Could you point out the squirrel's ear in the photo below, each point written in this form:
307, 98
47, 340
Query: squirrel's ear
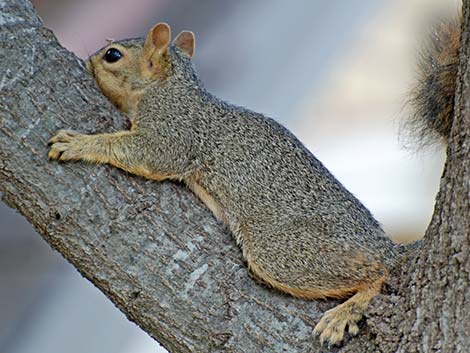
158, 40
186, 42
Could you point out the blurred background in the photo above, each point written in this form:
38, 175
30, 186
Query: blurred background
334, 72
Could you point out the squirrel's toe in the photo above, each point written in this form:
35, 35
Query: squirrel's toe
62, 136
333, 324
330, 328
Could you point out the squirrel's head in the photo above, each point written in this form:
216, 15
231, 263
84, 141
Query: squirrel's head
123, 69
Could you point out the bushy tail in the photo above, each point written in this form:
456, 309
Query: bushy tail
432, 97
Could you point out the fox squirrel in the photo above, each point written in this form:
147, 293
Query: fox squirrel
299, 229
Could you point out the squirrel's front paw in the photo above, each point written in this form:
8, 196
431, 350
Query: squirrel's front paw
66, 145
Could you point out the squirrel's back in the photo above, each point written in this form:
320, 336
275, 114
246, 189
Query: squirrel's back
259, 173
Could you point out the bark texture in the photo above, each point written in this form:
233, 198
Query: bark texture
161, 257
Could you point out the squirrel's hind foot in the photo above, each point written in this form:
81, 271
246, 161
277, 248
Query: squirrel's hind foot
332, 325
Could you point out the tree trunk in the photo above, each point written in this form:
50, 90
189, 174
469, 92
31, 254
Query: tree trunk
160, 256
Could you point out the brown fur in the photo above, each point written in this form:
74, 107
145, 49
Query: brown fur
308, 293
208, 200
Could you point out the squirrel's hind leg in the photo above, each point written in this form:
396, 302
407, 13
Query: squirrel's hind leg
333, 324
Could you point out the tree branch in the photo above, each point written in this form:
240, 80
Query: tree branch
152, 248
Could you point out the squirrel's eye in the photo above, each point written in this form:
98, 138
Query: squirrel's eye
112, 55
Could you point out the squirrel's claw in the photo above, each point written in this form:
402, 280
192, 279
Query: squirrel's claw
54, 154
64, 146
62, 136
58, 151
333, 324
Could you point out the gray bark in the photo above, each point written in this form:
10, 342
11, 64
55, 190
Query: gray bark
160, 256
